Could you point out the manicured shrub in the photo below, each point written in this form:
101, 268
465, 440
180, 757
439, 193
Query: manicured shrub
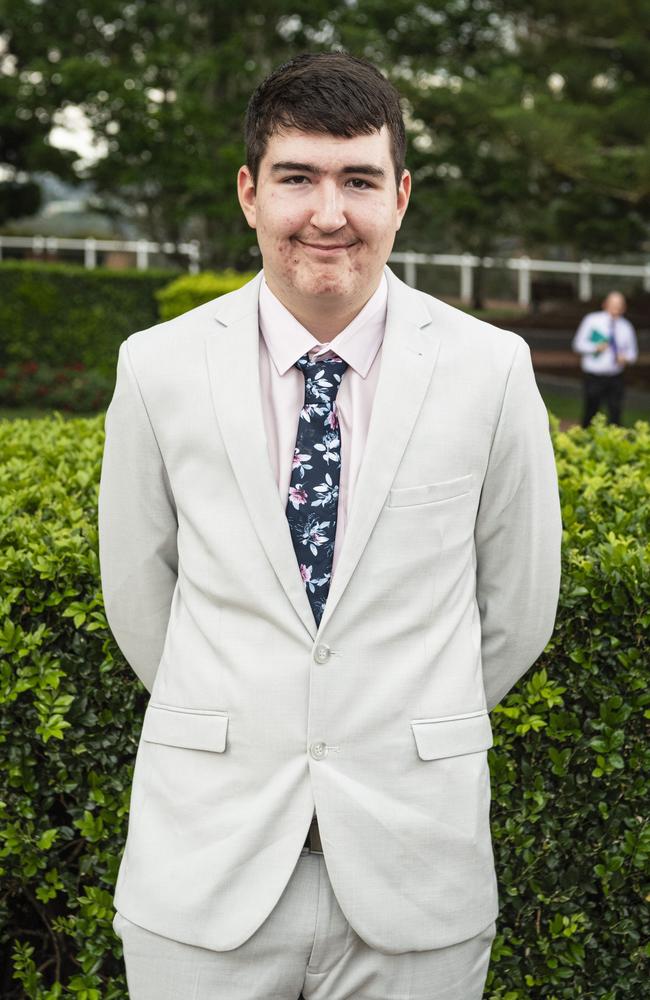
571, 762
59, 314
192, 290
69, 711
569, 767
57, 319
69, 388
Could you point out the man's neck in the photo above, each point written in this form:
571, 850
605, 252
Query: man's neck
322, 317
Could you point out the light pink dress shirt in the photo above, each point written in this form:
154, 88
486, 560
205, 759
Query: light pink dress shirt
283, 340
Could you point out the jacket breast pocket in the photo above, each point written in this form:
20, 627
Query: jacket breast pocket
448, 489
192, 728
452, 736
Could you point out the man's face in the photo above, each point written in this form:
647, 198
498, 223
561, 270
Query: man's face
326, 210
615, 304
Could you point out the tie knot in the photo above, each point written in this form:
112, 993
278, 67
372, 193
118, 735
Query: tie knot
322, 376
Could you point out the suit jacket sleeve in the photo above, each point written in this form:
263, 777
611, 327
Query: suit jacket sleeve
518, 535
137, 528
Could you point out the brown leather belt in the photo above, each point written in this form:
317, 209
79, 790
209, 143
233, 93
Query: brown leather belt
312, 840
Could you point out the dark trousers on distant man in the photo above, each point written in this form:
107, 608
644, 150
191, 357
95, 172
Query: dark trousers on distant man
600, 391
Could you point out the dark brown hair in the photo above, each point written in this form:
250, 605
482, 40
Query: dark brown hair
329, 92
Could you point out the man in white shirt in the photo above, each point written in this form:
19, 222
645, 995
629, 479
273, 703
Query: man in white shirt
606, 342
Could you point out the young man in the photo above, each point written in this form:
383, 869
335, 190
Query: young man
330, 544
606, 342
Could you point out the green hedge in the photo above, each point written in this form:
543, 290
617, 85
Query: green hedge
62, 315
58, 319
69, 388
192, 290
569, 767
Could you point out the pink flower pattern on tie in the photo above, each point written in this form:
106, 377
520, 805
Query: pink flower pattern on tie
315, 473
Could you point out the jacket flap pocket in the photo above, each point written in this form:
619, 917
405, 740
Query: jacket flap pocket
185, 727
407, 496
451, 737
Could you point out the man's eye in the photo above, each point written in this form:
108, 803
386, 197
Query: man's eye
295, 179
359, 183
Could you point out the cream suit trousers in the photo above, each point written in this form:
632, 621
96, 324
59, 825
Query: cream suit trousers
305, 946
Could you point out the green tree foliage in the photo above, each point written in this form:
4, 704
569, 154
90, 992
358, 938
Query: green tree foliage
471, 176
24, 127
526, 122
164, 85
18, 198
586, 73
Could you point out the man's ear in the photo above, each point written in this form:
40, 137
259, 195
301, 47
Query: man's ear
403, 195
246, 195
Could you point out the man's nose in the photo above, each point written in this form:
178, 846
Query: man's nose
328, 214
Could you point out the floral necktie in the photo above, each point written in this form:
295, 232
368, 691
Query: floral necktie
315, 473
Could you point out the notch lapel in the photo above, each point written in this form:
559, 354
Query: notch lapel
408, 356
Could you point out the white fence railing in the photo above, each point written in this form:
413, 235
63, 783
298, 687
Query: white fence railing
466, 263
141, 249
525, 266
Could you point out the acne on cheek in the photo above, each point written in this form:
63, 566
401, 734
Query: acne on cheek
287, 252
291, 252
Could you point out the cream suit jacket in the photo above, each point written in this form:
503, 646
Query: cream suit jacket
444, 595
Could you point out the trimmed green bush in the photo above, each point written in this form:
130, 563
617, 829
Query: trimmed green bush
569, 767
68, 714
68, 388
60, 314
58, 318
192, 290
571, 762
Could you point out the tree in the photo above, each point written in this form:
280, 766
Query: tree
164, 86
526, 124
24, 127
474, 184
586, 67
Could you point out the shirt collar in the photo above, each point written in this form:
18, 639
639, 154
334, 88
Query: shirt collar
287, 339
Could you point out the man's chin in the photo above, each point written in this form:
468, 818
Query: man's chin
324, 282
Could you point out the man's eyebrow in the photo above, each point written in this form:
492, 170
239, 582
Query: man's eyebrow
368, 169
365, 168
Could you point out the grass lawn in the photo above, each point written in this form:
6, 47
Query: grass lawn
567, 407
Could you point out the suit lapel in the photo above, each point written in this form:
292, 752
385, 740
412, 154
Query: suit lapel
233, 362
407, 361
408, 355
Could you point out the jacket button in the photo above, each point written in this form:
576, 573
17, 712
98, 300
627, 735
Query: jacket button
322, 653
318, 750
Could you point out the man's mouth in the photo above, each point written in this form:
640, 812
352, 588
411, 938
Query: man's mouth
327, 248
